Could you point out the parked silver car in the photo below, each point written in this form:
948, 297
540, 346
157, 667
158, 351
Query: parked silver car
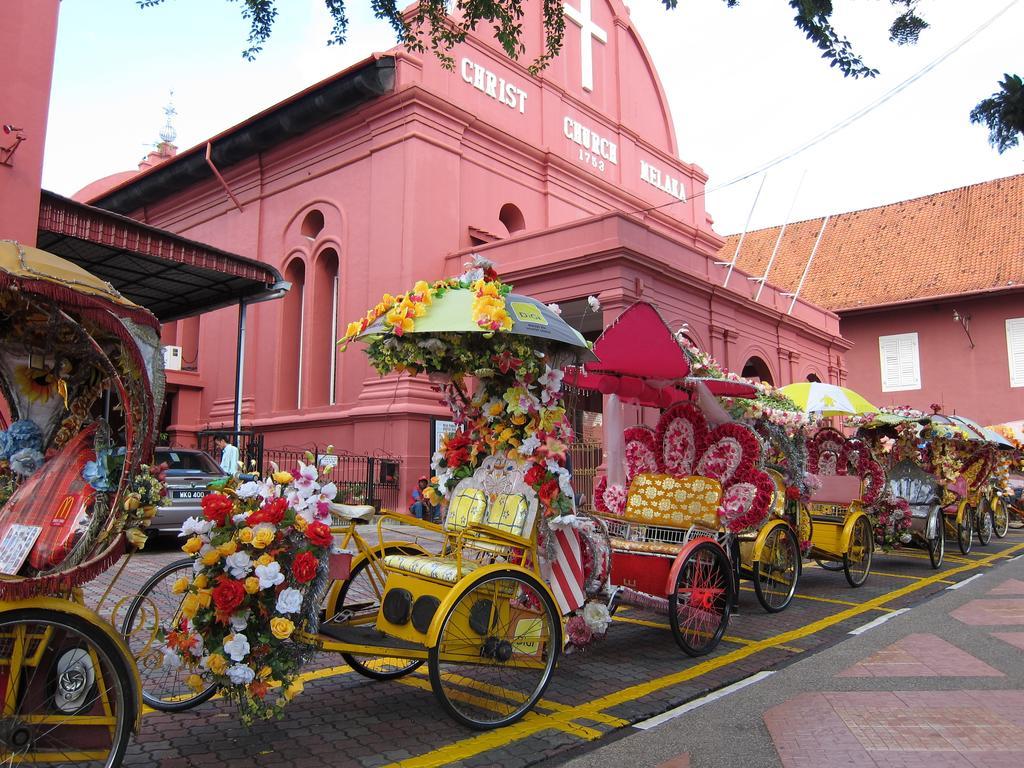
188, 473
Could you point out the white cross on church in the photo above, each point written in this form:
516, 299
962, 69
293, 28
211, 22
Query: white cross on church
589, 31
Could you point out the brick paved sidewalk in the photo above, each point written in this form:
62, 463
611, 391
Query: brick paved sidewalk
941, 686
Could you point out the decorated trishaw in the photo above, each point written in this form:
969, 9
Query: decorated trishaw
695, 476
488, 598
81, 372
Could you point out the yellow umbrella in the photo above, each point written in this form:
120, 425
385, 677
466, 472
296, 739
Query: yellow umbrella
826, 399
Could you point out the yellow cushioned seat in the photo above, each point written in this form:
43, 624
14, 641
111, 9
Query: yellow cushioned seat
673, 502
508, 513
440, 568
466, 508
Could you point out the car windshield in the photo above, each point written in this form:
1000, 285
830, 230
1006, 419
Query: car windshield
188, 462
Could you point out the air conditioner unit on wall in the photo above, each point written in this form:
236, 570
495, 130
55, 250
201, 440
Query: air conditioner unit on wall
172, 358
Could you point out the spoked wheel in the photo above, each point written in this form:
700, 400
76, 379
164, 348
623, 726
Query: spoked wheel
829, 565
1000, 518
858, 556
983, 522
776, 573
69, 699
496, 651
937, 547
700, 604
154, 612
360, 595
964, 534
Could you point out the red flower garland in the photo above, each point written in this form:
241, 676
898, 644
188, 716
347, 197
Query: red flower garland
641, 452
759, 507
750, 450
825, 440
599, 488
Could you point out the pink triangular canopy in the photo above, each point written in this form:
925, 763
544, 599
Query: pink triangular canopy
639, 343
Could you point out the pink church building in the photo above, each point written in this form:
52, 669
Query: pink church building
397, 169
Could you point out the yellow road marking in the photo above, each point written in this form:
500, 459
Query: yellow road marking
727, 638
817, 599
475, 745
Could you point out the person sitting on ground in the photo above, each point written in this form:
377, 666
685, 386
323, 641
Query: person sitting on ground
420, 507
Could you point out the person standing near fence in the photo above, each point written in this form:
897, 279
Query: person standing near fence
228, 454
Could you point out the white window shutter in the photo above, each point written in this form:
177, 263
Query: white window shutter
1015, 350
900, 362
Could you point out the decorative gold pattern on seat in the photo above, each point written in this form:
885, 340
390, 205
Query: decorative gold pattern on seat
645, 547
676, 502
508, 512
440, 568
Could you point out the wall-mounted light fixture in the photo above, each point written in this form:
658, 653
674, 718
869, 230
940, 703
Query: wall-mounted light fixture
965, 323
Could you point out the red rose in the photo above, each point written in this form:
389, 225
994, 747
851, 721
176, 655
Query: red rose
548, 491
271, 512
319, 535
792, 493
228, 594
217, 507
304, 567
535, 475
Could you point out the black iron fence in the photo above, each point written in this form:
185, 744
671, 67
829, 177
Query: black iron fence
373, 480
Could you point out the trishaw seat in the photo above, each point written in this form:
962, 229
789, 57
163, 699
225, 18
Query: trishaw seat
358, 512
645, 547
673, 502
440, 568
841, 490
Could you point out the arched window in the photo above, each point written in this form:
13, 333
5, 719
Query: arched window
323, 329
312, 224
813, 377
756, 368
289, 371
512, 218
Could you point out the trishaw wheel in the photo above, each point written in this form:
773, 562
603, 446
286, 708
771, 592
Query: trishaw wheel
69, 702
700, 604
361, 592
829, 565
153, 613
964, 534
984, 523
777, 572
937, 547
496, 650
1000, 519
859, 553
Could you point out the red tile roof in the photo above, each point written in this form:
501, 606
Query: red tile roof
961, 241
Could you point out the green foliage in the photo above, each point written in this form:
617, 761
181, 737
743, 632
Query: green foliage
1003, 113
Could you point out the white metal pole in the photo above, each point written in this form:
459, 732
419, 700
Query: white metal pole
743, 235
807, 267
764, 278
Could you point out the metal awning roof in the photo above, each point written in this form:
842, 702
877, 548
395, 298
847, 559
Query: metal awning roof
170, 275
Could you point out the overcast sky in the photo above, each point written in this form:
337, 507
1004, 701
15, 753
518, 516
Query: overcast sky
743, 84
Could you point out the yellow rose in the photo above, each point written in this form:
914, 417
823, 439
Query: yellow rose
252, 585
180, 585
192, 546
262, 538
300, 523
217, 664
293, 690
195, 682
228, 549
190, 606
282, 477
132, 502
281, 628
264, 673
264, 560
245, 535
136, 538
205, 596
200, 581
210, 558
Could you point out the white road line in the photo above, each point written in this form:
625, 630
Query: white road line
644, 725
880, 620
1018, 557
965, 581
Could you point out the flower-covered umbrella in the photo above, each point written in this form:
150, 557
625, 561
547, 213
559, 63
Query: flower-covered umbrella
826, 399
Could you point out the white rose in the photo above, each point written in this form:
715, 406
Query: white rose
269, 575
241, 674
289, 601
239, 621
237, 647
248, 490
239, 564
195, 526
597, 617
171, 658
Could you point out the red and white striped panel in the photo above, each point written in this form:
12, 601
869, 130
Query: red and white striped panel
566, 578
